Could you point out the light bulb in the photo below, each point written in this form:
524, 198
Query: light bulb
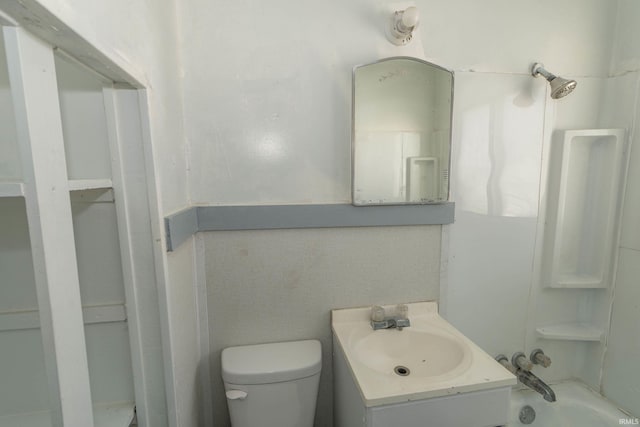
410, 17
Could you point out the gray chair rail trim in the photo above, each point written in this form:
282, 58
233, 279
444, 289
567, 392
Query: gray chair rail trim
182, 225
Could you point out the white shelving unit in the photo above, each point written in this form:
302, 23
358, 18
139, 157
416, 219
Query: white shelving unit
77, 348
571, 332
586, 172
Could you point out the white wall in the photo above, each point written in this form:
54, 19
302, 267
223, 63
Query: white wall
141, 37
621, 376
267, 92
626, 50
571, 37
268, 86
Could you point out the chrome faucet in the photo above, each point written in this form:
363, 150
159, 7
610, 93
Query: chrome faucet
379, 319
526, 377
533, 382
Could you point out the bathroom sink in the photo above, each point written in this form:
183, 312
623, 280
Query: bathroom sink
425, 354
428, 359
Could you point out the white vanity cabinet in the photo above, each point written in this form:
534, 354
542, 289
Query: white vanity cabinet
427, 374
486, 408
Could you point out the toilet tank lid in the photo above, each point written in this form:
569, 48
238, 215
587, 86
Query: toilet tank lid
271, 363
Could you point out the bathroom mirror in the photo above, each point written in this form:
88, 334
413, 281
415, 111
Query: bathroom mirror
401, 133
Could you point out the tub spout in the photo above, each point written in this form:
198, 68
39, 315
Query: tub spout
533, 382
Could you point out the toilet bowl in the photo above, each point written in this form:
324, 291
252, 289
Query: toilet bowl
272, 385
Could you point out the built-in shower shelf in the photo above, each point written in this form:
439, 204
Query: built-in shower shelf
571, 332
104, 415
11, 189
577, 281
585, 178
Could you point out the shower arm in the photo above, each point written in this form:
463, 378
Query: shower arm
538, 69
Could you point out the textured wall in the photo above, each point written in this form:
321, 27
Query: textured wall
280, 285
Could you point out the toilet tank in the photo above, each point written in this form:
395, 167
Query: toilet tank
272, 384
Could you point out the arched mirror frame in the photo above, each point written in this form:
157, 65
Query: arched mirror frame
402, 156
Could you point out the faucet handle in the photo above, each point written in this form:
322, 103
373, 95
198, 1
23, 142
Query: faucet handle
402, 311
502, 359
519, 360
377, 313
539, 358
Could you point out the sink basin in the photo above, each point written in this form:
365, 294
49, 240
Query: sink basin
428, 359
425, 354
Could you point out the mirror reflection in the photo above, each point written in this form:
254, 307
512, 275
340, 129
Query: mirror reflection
401, 132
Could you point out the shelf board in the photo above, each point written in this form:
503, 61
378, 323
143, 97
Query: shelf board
30, 319
16, 189
579, 281
570, 332
91, 191
104, 415
11, 189
90, 184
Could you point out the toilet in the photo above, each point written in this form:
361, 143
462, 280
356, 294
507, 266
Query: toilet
272, 385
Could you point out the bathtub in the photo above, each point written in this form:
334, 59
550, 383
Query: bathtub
576, 406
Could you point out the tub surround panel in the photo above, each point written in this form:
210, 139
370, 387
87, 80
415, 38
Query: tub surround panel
488, 283
511, 241
581, 110
280, 285
630, 236
621, 376
600, 103
497, 144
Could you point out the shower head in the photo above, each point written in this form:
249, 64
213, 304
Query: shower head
559, 86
